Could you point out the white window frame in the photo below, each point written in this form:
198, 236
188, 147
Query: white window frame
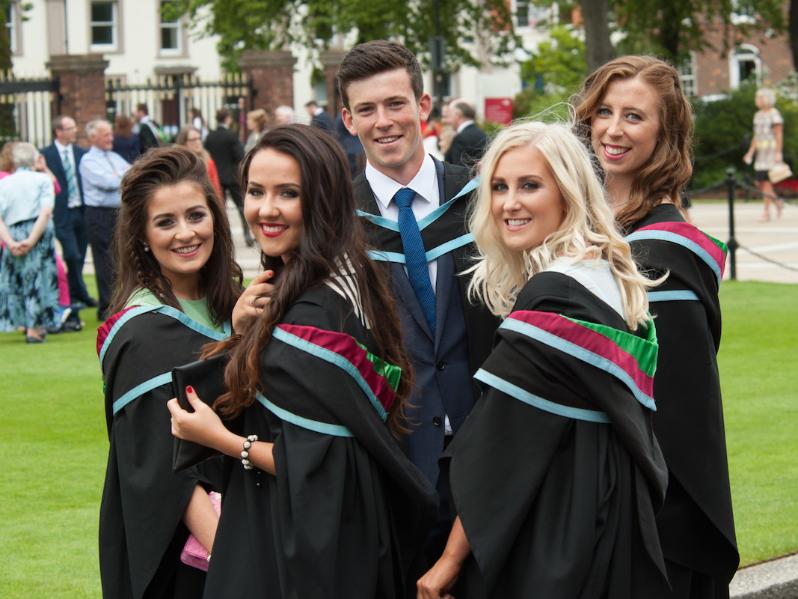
688, 77
744, 53
114, 45
11, 27
177, 26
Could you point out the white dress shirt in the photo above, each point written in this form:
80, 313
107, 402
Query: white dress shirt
72, 202
427, 199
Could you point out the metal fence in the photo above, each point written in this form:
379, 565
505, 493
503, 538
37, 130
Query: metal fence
169, 98
26, 108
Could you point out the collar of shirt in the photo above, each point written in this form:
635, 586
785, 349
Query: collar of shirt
61, 149
463, 125
425, 184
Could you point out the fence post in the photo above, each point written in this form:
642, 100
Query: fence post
731, 185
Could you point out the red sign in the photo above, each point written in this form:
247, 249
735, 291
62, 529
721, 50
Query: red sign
499, 110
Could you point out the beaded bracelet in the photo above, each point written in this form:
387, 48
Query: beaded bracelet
245, 452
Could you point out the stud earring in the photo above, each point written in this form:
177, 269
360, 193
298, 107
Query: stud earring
146, 247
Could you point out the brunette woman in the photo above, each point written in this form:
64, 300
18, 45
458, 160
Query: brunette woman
320, 501
177, 285
555, 475
640, 128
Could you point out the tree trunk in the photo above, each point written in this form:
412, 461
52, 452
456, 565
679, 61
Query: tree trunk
793, 33
598, 47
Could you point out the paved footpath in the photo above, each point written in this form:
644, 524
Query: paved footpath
776, 240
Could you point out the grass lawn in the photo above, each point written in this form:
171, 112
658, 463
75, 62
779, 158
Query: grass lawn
758, 374
53, 444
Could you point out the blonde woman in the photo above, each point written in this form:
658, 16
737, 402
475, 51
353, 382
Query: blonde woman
556, 475
767, 144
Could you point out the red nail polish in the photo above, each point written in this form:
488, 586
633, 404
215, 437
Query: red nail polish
189, 389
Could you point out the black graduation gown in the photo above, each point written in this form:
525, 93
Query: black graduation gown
141, 529
346, 510
696, 523
556, 474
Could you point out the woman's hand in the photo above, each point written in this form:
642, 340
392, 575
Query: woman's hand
252, 302
748, 158
202, 426
440, 579
20, 248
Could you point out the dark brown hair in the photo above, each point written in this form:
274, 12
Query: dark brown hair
220, 278
372, 58
123, 125
670, 167
331, 237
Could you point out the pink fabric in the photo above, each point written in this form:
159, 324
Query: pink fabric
63, 285
590, 340
345, 346
695, 235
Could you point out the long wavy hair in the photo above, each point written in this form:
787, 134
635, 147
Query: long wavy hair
332, 242
220, 277
670, 167
587, 231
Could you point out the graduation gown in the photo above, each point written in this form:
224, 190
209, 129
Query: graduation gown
556, 474
346, 510
141, 529
696, 523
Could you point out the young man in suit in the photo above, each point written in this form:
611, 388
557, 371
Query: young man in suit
469, 141
227, 152
63, 158
413, 208
149, 132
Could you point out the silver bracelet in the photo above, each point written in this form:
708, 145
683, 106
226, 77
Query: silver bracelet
245, 462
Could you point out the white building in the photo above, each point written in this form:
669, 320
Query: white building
140, 45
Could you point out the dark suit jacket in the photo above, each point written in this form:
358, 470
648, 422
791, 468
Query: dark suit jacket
438, 380
227, 153
147, 139
53, 160
322, 121
467, 146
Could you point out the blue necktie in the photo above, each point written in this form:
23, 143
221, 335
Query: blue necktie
415, 255
72, 189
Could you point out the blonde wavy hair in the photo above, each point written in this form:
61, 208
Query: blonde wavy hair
588, 229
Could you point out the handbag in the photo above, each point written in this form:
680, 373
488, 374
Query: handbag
779, 172
194, 554
207, 378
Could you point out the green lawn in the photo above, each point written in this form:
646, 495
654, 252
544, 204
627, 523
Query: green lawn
53, 443
760, 391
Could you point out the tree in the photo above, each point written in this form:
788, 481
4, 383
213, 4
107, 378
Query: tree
793, 30
276, 24
596, 18
671, 28
558, 62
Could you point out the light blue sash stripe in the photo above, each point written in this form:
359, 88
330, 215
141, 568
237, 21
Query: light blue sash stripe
141, 389
441, 210
679, 240
538, 402
324, 428
333, 358
132, 313
580, 353
431, 255
392, 225
672, 296
380, 221
447, 247
193, 324
166, 311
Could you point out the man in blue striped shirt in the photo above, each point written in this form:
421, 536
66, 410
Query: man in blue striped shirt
101, 170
